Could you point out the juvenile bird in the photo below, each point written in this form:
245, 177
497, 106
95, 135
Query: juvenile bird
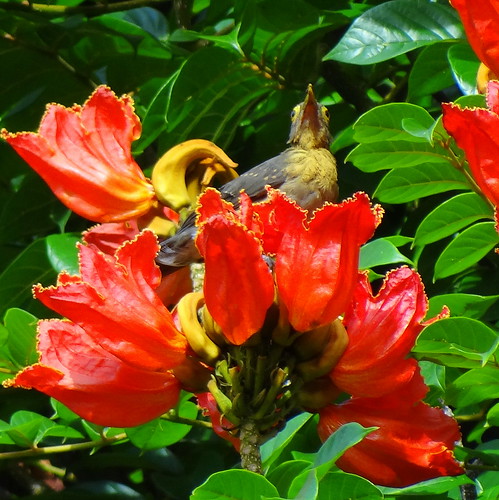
305, 171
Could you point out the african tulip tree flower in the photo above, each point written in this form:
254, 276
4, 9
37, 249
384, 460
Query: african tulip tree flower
414, 441
111, 361
481, 23
84, 154
476, 131
323, 247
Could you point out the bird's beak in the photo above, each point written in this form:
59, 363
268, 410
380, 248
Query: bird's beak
311, 111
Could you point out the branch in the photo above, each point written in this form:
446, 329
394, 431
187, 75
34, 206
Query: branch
63, 448
87, 10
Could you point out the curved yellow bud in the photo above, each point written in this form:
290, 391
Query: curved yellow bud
185, 170
201, 344
330, 355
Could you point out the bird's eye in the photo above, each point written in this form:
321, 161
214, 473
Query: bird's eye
325, 112
294, 112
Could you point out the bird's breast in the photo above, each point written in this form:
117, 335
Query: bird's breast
311, 177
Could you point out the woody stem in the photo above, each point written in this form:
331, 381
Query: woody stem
250, 447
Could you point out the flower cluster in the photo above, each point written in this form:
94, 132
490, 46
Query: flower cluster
285, 320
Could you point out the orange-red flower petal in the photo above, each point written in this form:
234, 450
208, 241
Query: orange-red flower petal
382, 329
238, 284
114, 301
414, 442
317, 261
481, 23
84, 155
476, 131
94, 383
110, 236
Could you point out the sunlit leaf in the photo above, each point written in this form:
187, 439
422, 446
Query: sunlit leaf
466, 249
394, 28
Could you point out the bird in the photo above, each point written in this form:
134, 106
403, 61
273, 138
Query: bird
305, 171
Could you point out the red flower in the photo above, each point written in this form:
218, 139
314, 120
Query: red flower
481, 23
413, 443
476, 131
389, 323
316, 260
84, 155
111, 362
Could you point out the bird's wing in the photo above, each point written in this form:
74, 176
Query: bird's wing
268, 173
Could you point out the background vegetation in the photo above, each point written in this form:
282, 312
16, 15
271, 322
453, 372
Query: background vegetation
231, 71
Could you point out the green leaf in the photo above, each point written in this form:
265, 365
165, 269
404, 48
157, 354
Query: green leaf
159, 432
40, 262
493, 415
466, 249
430, 72
21, 342
430, 487
396, 27
212, 107
337, 443
380, 252
474, 386
389, 123
343, 486
408, 184
461, 304
28, 428
451, 216
461, 342
62, 252
274, 447
234, 485
284, 474
384, 155
464, 64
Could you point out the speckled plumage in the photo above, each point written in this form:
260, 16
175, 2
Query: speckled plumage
305, 171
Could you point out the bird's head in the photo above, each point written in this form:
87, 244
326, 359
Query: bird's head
310, 123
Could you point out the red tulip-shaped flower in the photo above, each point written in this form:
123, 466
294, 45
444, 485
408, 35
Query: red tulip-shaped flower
414, 441
84, 154
316, 259
111, 361
481, 23
476, 131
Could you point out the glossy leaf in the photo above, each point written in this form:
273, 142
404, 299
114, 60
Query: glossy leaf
408, 184
461, 304
466, 249
452, 216
464, 65
274, 447
393, 122
159, 433
40, 262
338, 442
461, 342
431, 487
431, 72
474, 386
235, 485
394, 28
380, 252
21, 341
342, 486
